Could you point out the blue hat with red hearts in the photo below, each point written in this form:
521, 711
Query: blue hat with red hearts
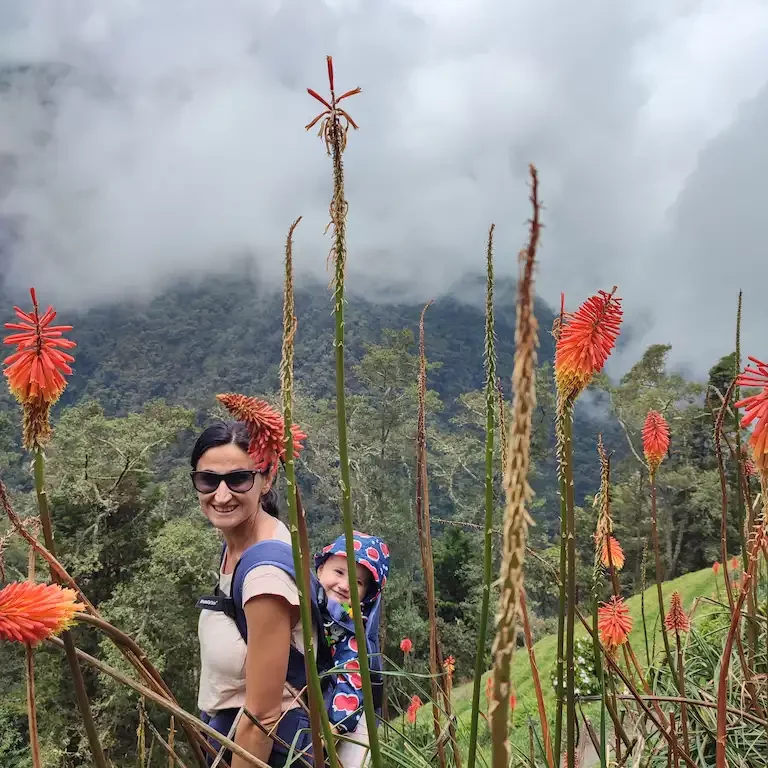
370, 552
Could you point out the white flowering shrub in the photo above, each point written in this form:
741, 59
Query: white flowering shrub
586, 679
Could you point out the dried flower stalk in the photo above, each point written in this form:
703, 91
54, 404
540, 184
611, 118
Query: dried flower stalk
518, 491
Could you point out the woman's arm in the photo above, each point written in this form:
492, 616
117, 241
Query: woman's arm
269, 620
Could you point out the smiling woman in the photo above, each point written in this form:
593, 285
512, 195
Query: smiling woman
249, 631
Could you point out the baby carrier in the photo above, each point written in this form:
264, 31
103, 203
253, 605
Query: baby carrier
280, 555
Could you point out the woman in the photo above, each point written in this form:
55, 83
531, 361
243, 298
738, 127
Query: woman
232, 472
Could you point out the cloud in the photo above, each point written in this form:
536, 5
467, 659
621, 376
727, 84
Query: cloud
149, 141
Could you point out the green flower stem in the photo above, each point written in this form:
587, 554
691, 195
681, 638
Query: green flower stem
599, 673
34, 740
34, 736
346, 489
659, 593
743, 523
561, 625
681, 687
571, 590
318, 715
81, 694
490, 417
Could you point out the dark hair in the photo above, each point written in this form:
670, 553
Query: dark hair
227, 433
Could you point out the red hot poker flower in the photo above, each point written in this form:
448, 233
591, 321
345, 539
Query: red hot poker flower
716, 567
406, 645
677, 620
266, 426
413, 708
616, 553
36, 370
585, 340
655, 434
614, 622
30, 612
756, 407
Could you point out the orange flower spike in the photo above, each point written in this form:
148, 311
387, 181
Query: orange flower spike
614, 622
266, 426
756, 407
655, 434
29, 612
716, 567
36, 370
616, 554
413, 708
677, 620
585, 340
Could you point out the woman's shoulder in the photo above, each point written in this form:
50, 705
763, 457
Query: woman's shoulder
281, 532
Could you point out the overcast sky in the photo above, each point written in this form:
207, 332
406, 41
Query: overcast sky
172, 140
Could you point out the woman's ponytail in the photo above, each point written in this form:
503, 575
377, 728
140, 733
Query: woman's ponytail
269, 503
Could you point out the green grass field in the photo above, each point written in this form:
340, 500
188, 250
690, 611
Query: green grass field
691, 586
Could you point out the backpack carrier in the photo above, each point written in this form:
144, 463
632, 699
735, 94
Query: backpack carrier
280, 555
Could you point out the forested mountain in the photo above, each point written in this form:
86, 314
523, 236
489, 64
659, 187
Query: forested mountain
224, 334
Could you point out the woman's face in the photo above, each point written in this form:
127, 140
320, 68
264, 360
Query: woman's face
223, 507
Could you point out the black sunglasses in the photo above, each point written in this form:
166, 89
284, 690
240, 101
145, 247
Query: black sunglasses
239, 481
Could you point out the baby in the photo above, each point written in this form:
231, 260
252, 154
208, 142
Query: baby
346, 697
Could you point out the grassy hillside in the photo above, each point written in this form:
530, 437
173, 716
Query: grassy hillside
690, 586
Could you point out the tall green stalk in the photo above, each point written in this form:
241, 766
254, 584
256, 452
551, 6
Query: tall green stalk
745, 518
643, 570
560, 439
739, 459
34, 736
599, 662
490, 418
318, 715
659, 593
561, 622
334, 135
81, 694
603, 532
570, 526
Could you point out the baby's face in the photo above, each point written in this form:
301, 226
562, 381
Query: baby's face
334, 578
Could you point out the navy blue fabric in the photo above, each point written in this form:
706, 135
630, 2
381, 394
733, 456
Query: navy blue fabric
293, 722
